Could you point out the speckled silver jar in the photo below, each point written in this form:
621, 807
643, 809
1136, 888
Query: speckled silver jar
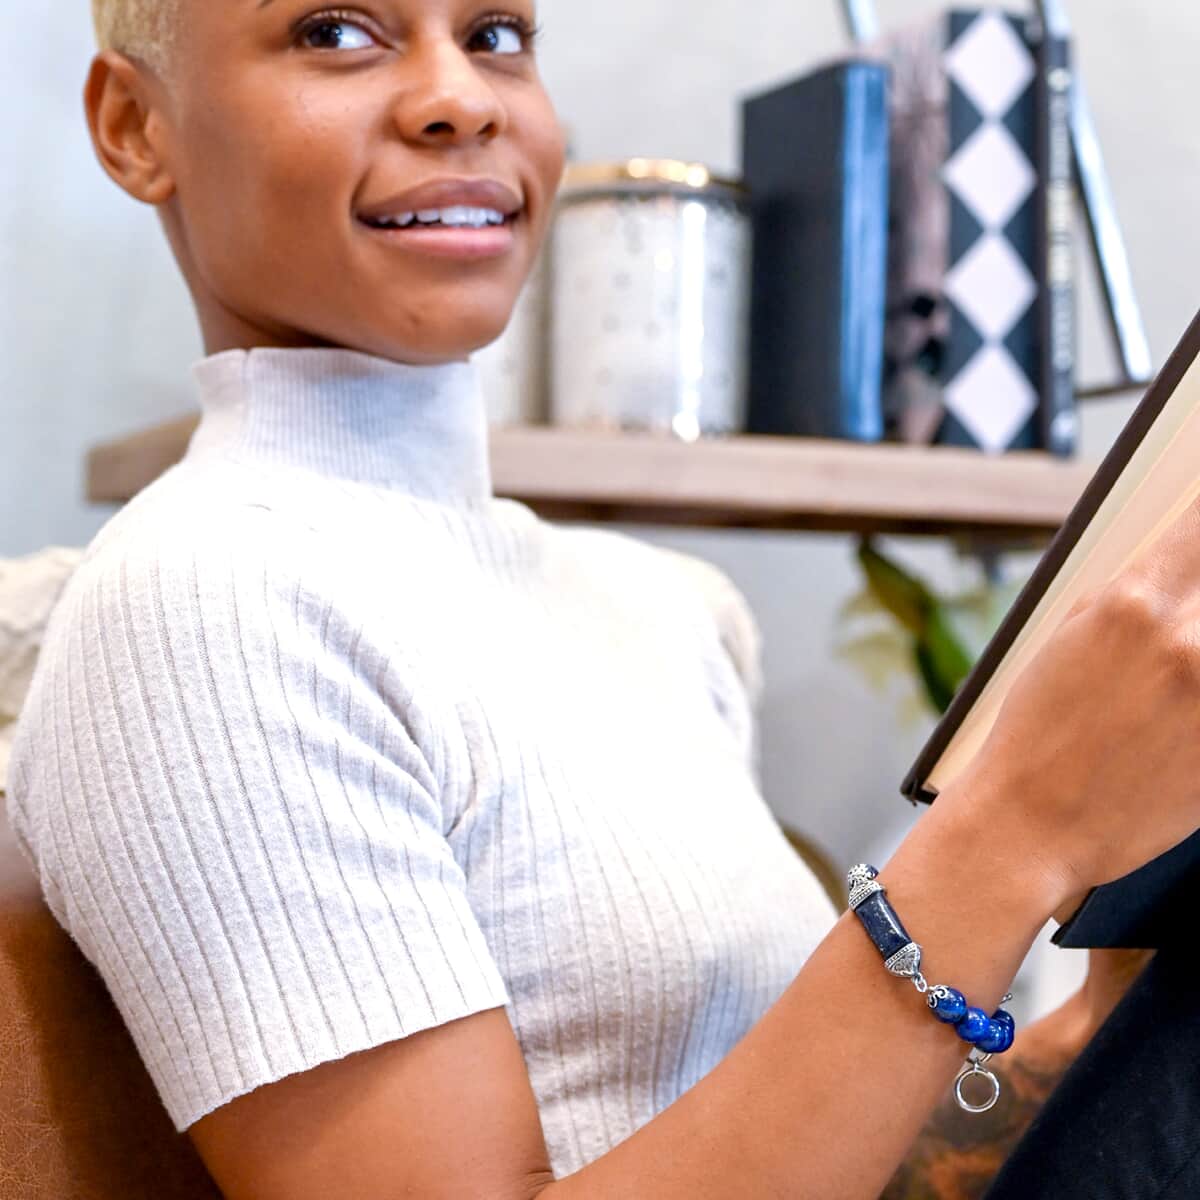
512, 369
649, 299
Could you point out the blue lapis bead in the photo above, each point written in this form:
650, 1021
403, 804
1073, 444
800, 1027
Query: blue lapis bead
973, 1026
883, 926
1002, 1030
950, 1005
997, 1039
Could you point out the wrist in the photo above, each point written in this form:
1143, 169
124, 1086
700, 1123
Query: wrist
980, 849
986, 820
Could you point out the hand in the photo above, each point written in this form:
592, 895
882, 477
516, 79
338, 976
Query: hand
1093, 766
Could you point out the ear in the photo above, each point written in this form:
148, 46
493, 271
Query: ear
125, 118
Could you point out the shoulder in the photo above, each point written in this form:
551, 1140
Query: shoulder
195, 540
184, 605
204, 509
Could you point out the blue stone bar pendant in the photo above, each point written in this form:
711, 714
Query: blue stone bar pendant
902, 956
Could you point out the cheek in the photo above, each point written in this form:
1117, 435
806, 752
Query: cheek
288, 165
545, 151
552, 146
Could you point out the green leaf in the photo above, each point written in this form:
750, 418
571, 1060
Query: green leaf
950, 658
939, 692
941, 636
904, 595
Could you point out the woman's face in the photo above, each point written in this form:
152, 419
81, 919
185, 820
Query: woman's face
300, 138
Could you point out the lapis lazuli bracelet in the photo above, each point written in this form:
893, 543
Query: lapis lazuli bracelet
902, 957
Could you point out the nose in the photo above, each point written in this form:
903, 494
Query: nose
446, 100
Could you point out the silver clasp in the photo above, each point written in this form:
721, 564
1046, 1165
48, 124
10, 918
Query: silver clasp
974, 1067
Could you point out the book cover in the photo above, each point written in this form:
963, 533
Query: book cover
979, 338
991, 372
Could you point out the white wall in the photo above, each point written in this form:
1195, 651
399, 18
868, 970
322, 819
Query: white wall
95, 330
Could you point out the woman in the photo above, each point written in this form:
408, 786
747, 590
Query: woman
416, 839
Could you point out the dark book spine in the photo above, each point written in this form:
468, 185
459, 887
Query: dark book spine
1059, 418
815, 160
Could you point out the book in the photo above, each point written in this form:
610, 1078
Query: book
1058, 416
1147, 480
990, 375
979, 341
815, 161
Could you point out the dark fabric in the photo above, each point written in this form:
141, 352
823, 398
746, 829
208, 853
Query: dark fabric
1124, 1124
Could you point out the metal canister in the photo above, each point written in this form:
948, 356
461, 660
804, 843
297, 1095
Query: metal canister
649, 299
513, 368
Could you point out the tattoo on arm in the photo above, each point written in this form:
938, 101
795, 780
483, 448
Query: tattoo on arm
958, 1154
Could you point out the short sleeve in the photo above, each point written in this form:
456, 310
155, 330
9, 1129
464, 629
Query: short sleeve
231, 783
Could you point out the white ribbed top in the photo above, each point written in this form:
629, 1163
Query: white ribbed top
326, 745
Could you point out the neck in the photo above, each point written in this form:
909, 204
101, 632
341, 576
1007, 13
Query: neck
355, 417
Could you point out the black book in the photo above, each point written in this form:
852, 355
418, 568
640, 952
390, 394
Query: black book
1058, 417
1147, 480
815, 160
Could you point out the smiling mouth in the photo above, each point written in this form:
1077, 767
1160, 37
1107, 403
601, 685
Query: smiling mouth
459, 217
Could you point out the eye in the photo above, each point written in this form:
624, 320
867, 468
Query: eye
502, 35
335, 33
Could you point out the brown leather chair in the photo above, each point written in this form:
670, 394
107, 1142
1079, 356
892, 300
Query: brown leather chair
79, 1116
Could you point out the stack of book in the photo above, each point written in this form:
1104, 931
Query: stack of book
912, 217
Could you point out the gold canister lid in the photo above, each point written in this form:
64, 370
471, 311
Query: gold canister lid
647, 175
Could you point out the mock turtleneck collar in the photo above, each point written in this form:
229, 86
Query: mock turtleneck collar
352, 416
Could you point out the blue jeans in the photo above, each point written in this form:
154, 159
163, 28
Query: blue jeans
1124, 1123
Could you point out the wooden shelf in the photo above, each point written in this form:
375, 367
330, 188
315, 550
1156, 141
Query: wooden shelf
738, 482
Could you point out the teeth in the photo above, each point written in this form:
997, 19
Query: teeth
460, 215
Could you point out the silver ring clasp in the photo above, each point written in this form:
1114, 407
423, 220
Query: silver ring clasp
971, 1069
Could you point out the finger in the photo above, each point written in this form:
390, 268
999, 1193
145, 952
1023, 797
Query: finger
1172, 562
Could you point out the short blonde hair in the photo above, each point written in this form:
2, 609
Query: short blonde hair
140, 28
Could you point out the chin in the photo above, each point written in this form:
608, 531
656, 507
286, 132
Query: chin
456, 337
426, 351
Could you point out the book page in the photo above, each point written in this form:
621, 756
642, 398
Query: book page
1160, 480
